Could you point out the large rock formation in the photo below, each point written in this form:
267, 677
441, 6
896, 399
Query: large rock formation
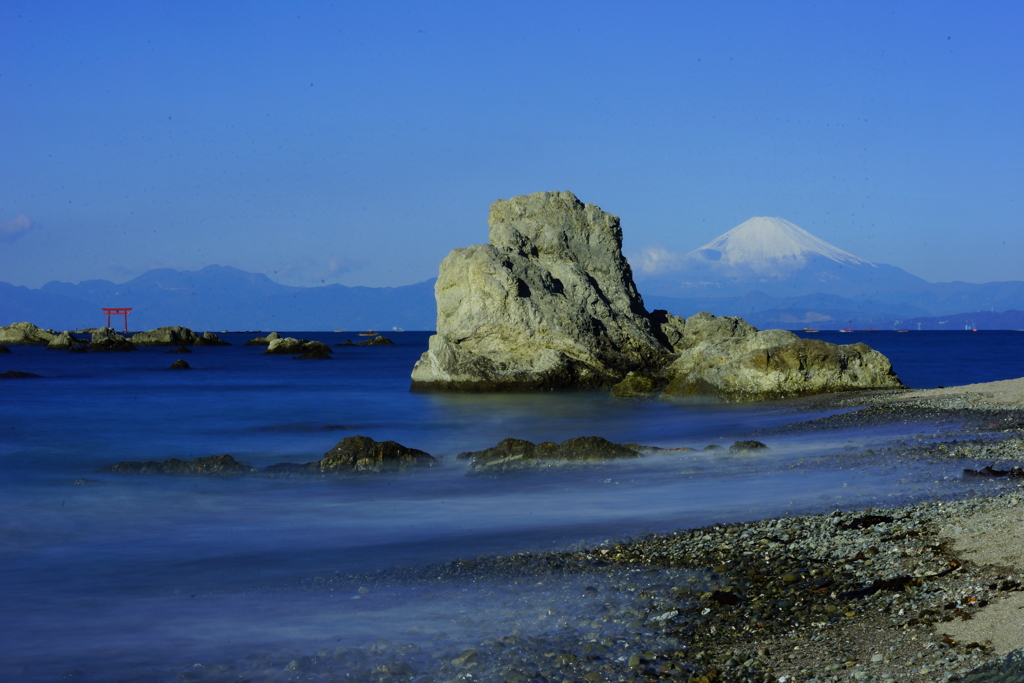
25, 333
175, 335
550, 302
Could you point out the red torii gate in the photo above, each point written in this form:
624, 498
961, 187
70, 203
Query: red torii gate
117, 311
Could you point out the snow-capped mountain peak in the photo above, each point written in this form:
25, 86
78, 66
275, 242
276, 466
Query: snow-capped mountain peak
766, 243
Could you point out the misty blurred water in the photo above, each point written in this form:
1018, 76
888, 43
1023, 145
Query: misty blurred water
148, 569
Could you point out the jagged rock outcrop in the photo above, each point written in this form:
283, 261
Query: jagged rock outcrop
517, 455
291, 345
26, 334
549, 302
63, 341
263, 341
363, 454
105, 339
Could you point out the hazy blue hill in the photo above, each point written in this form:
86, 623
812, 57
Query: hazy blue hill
219, 298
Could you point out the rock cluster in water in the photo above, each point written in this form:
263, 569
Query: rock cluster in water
352, 455
176, 335
550, 302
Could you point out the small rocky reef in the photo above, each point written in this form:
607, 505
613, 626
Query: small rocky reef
105, 338
516, 455
177, 336
305, 349
550, 303
352, 455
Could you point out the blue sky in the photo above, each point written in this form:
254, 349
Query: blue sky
360, 142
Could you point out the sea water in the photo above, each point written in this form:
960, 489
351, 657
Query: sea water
110, 573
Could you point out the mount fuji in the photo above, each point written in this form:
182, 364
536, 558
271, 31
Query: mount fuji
776, 274
774, 256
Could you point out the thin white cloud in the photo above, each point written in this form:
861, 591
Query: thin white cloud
654, 260
16, 228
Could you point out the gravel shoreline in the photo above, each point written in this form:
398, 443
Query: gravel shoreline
876, 595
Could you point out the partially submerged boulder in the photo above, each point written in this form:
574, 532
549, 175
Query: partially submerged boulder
550, 303
14, 374
105, 339
4, 349
220, 465
210, 339
291, 345
363, 454
25, 334
175, 335
180, 349
263, 341
180, 365
379, 340
516, 455
63, 341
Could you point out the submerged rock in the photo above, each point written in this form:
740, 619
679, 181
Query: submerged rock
25, 334
379, 340
263, 341
291, 345
14, 374
105, 339
4, 349
180, 365
180, 349
363, 454
515, 455
313, 355
549, 302
214, 464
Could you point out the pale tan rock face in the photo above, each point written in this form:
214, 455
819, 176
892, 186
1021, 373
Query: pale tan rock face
549, 302
776, 364
25, 333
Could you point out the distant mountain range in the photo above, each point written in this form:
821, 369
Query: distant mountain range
220, 298
766, 270
775, 274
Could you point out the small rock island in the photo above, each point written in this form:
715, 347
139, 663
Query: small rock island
550, 303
